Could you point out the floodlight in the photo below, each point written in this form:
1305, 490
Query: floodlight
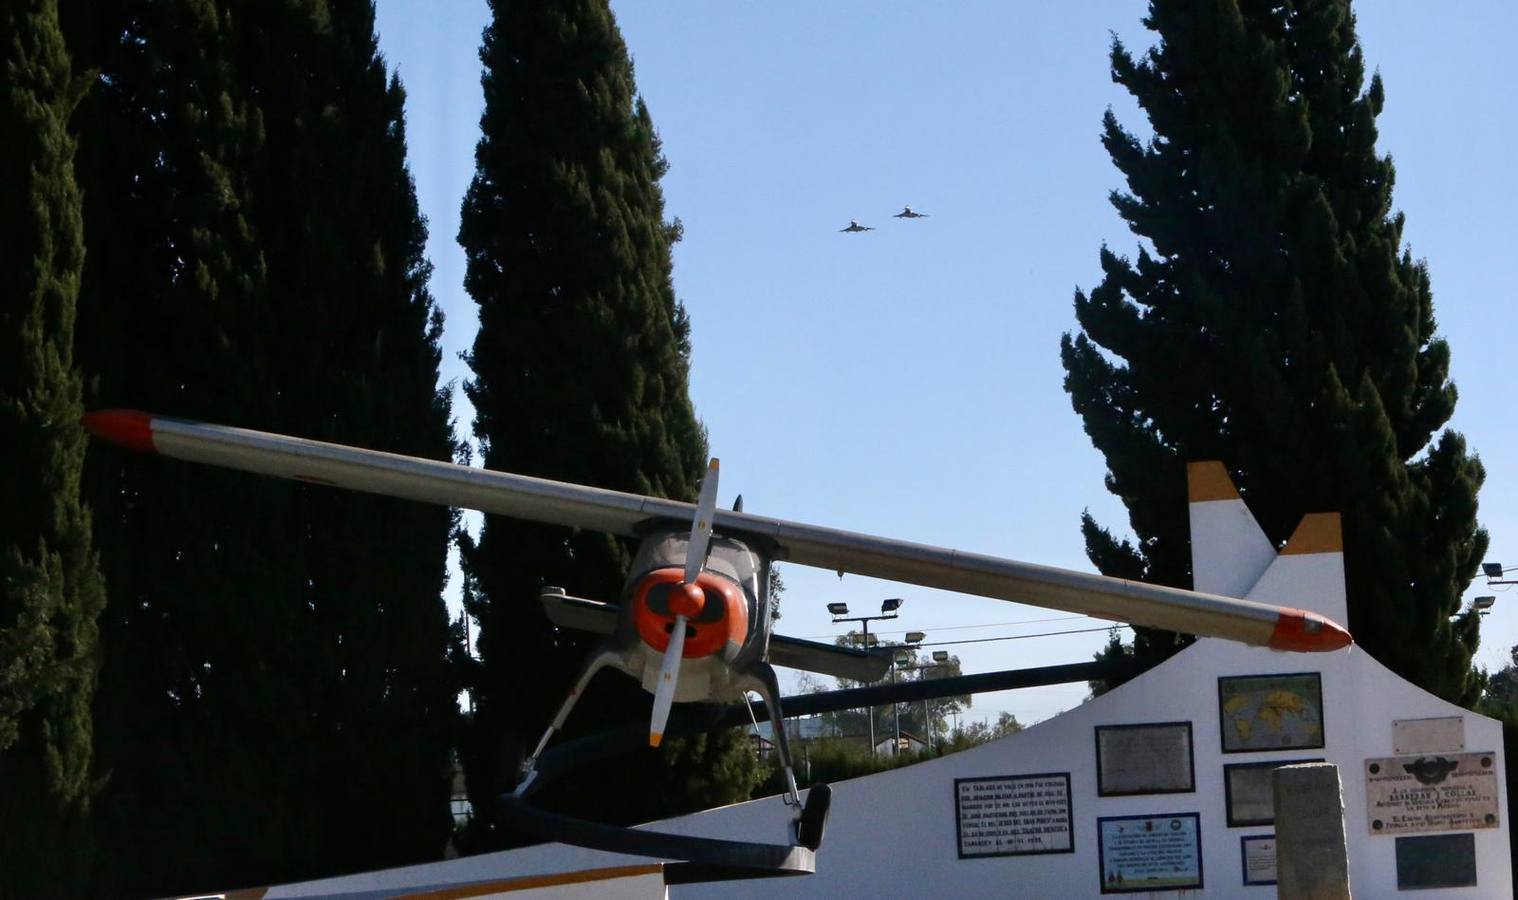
915, 637
940, 656
838, 609
903, 657
1492, 569
1481, 604
890, 605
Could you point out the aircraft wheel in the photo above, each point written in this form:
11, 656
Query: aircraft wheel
814, 817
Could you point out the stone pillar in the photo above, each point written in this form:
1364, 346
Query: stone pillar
1312, 860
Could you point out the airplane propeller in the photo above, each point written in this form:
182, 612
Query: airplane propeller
685, 601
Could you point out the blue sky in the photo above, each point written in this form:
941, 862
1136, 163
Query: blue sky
906, 382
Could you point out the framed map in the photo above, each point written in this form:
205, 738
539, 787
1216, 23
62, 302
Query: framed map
1271, 712
1148, 758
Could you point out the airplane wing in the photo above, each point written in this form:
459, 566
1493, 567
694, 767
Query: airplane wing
578, 506
826, 659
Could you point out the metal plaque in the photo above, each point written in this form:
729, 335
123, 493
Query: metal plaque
1435, 792
1436, 861
1014, 815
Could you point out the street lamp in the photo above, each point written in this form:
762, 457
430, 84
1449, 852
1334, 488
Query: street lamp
888, 607
1494, 572
1482, 604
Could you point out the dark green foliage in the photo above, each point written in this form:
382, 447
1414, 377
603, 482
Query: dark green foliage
580, 371
356, 361
1114, 651
1272, 319
276, 701
50, 589
1502, 686
1500, 701
831, 760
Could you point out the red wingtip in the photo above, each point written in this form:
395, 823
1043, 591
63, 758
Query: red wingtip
127, 427
1303, 631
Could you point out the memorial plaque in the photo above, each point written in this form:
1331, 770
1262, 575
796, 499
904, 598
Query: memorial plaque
1271, 712
1436, 792
1442, 735
1014, 815
1437, 861
1144, 759
1249, 791
1150, 853
1259, 858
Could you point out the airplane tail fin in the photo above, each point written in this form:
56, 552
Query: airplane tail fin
1230, 554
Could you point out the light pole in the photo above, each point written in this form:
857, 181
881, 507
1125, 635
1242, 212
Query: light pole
940, 661
840, 612
913, 639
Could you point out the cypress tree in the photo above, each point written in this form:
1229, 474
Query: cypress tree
581, 366
276, 668
1272, 318
199, 694
356, 332
50, 589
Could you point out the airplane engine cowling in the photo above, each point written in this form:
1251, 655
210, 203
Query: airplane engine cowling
723, 618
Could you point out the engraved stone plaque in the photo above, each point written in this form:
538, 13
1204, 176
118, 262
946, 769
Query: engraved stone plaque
1441, 735
1435, 792
1249, 791
1144, 759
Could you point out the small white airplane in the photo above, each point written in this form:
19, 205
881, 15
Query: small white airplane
693, 622
908, 213
855, 226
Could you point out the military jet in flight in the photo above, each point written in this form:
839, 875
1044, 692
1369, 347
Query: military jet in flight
908, 213
855, 226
